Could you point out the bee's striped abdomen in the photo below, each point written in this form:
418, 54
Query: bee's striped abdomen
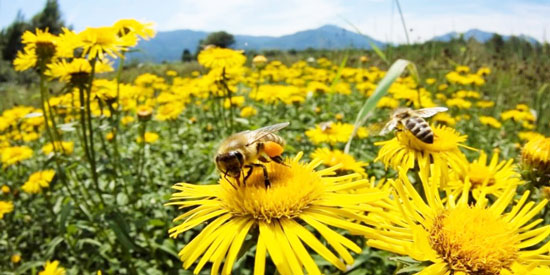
420, 129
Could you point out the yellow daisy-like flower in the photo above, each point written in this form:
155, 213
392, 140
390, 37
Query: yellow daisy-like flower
221, 58
298, 196
127, 120
169, 111
485, 104
491, 121
405, 150
332, 133
456, 237
387, 102
459, 103
5, 208
96, 42
236, 101
37, 181
529, 135
134, 27
150, 137
445, 118
487, 178
24, 60
15, 258
65, 147
430, 81
52, 268
536, 154
15, 154
337, 157
248, 111
77, 71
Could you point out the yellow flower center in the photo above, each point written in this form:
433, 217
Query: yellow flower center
480, 174
445, 139
474, 240
293, 188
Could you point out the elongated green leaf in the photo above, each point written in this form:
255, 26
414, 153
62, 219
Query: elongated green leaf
381, 89
336, 78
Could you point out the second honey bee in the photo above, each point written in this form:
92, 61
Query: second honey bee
249, 149
413, 121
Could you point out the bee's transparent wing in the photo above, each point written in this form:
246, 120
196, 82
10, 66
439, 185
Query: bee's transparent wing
258, 134
388, 127
428, 112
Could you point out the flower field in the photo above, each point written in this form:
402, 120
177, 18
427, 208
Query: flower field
118, 173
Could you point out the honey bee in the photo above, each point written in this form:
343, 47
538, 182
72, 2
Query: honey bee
413, 120
249, 149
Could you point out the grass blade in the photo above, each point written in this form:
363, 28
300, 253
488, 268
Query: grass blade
373, 46
381, 89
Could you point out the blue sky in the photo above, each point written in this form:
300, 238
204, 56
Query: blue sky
378, 18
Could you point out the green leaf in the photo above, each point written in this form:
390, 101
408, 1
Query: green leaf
52, 245
65, 211
28, 265
381, 89
121, 229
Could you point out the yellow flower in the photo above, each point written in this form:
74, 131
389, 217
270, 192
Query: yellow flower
491, 121
134, 27
485, 104
332, 133
66, 147
442, 87
459, 103
248, 111
97, 42
15, 258
259, 60
52, 268
5, 208
387, 102
430, 81
487, 178
236, 101
522, 107
150, 137
39, 47
5, 189
483, 71
444, 118
462, 69
529, 135
221, 58
171, 73
169, 111
536, 154
363, 58
15, 154
127, 120
37, 181
77, 71
299, 200
337, 157
24, 60
457, 237
144, 112
517, 115
110, 136
405, 150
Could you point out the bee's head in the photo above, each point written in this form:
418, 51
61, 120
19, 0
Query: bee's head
401, 113
230, 163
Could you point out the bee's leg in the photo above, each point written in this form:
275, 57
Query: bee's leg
250, 168
228, 180
279, 160
266, 177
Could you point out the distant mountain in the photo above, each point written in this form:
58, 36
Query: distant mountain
168, 46
479, 35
